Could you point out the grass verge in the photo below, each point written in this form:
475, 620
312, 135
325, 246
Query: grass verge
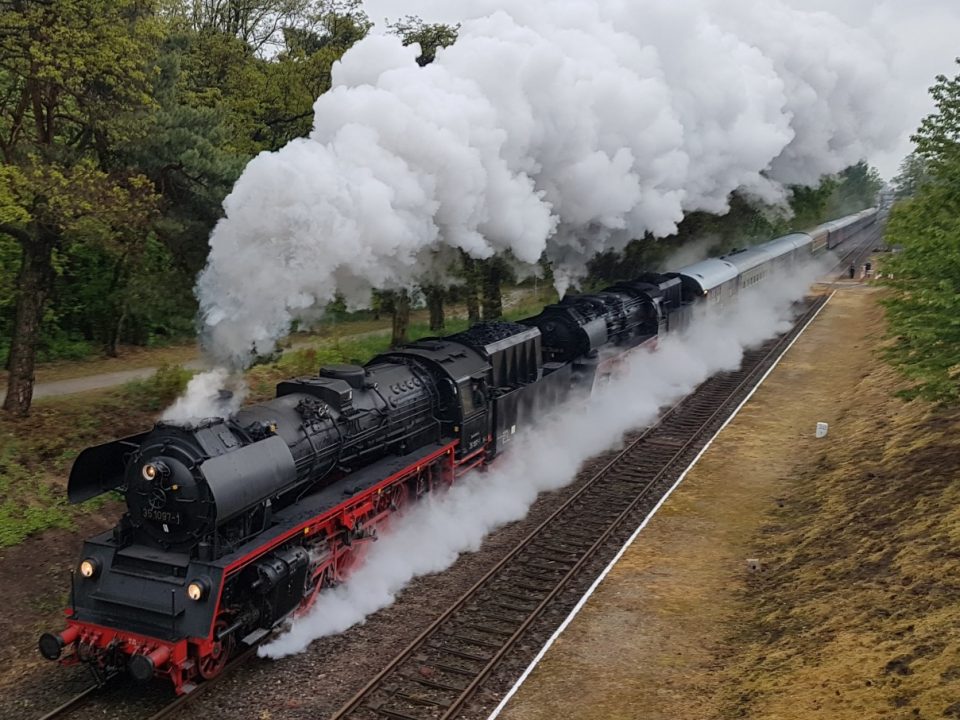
857, 615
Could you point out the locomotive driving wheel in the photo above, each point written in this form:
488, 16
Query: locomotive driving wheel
212, 664
399, 497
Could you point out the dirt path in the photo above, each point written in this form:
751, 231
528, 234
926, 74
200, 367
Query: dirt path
103, 381
829, 628
70, 378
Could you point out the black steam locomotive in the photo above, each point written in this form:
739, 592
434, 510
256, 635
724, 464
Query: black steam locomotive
233, 524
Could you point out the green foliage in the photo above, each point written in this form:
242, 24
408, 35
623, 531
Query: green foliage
28, 503
9, 268
857, 189
123, 126
924, 308
810, 206
185, 151
160, 389
267, 101
75, 75
57, 345
924, 311
938, 138
913, 175
430, 36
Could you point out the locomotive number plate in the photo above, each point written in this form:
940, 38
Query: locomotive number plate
163, 516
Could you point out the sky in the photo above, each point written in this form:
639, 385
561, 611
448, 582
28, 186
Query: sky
922, 38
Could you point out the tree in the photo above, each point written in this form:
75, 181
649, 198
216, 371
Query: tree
435, 295
938, 138
493, 272
72, 72
811, 206
185, 150
857, 189
469, 270
259, 24
913, 174
400, 307
267, 101
924, 310
430, 36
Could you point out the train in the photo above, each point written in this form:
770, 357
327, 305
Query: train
235, 524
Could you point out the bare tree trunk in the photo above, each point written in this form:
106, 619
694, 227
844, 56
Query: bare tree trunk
470, 292
115, 329
492, 298
116, 332
401, 318
434, 294
473, 305
33, 282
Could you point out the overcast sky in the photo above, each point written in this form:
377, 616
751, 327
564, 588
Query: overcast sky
923, 38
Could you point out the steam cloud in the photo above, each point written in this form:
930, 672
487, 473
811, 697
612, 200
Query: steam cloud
557, 128
434, 533
207, 396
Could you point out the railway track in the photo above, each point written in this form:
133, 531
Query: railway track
83, 700
860, 250
72, 705
437, 675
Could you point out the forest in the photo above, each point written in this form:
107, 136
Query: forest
923, 310
124, 124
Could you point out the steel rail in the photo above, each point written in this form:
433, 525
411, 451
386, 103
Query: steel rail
82, 699
181, 702
74, 703
359, 705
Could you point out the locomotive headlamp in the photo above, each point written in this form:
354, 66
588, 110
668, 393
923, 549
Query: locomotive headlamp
152, 470
90, 567
198, 589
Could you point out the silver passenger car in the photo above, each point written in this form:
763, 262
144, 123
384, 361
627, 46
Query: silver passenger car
713, 280
836, 231
754, 264
718, 280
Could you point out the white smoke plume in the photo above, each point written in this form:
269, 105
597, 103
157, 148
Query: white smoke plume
214, 393
557, 128
921, 37
690, 252
434, 533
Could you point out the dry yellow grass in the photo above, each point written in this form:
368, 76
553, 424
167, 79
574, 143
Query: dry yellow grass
854, 613
859, 614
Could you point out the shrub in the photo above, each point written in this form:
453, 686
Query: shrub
161, 388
